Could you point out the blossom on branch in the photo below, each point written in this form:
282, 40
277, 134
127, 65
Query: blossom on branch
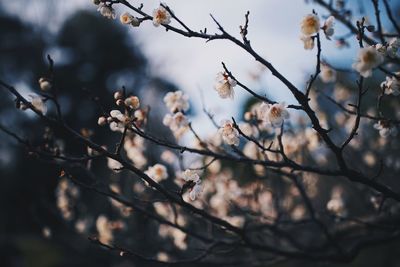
178, 123
38, 103
310, 24
176, 101
328, 74
161, 16
385, 128
308, 42
224, 85
274, 114
106, 11
157, 172
392, 85
328, 27
368, 58
229, 133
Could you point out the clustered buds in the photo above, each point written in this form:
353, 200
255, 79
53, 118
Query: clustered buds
161, 16
118, 120
177, 102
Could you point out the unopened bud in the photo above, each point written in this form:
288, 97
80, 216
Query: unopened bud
120, 102
44, 84
118, 95
102, 121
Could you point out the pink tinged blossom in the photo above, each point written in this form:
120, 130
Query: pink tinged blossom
274, 114
229, 134
224, 85
161, 16
310, 24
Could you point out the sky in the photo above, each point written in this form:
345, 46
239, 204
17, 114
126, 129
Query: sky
192, 64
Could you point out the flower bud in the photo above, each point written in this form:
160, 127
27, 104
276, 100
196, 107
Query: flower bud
102, 121
44, 84
118, 95
120, 102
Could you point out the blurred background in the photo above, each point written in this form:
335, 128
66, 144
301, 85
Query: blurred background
94, 57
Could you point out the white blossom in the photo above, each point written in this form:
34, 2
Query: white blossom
328, 27
104, 228
106, 11
176, 101
308, 42
275, 114
114, 165
161, 16
118, 121
38, 103
157, 172
368, 58
310, 24
224, 85
328, 74
127, 18
336, 206
391, 85
191, 176
385, 129
195, 191
229, 134
393, 47
178, 123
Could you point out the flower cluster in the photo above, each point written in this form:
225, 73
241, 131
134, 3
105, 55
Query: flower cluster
310, 26
117, 120
161, 16
177, 103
